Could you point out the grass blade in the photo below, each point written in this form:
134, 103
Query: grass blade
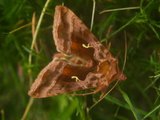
152, 111
128, 101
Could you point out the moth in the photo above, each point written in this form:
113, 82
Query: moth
81, 63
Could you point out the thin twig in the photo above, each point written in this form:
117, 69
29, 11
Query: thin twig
93, 13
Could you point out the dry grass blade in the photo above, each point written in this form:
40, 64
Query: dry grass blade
120, 9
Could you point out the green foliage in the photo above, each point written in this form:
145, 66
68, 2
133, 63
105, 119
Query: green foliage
136, 98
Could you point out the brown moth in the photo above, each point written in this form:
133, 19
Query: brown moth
82, 62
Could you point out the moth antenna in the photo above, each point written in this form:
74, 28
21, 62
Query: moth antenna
67, 55
86, 46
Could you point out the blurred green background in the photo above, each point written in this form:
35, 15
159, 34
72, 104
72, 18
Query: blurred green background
136, 98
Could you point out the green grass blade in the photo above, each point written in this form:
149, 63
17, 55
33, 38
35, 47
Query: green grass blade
122, 104
152, 111
126, 98
125, 25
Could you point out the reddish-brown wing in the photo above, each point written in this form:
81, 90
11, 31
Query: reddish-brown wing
56, 78
70, 33
83, 62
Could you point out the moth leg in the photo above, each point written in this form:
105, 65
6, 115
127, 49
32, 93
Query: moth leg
109, 46
89, 93
84, 94
103, 92
99, 89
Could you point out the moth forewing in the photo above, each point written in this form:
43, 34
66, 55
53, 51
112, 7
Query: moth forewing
81, 63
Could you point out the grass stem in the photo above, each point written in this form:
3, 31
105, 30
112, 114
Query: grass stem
30, 57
